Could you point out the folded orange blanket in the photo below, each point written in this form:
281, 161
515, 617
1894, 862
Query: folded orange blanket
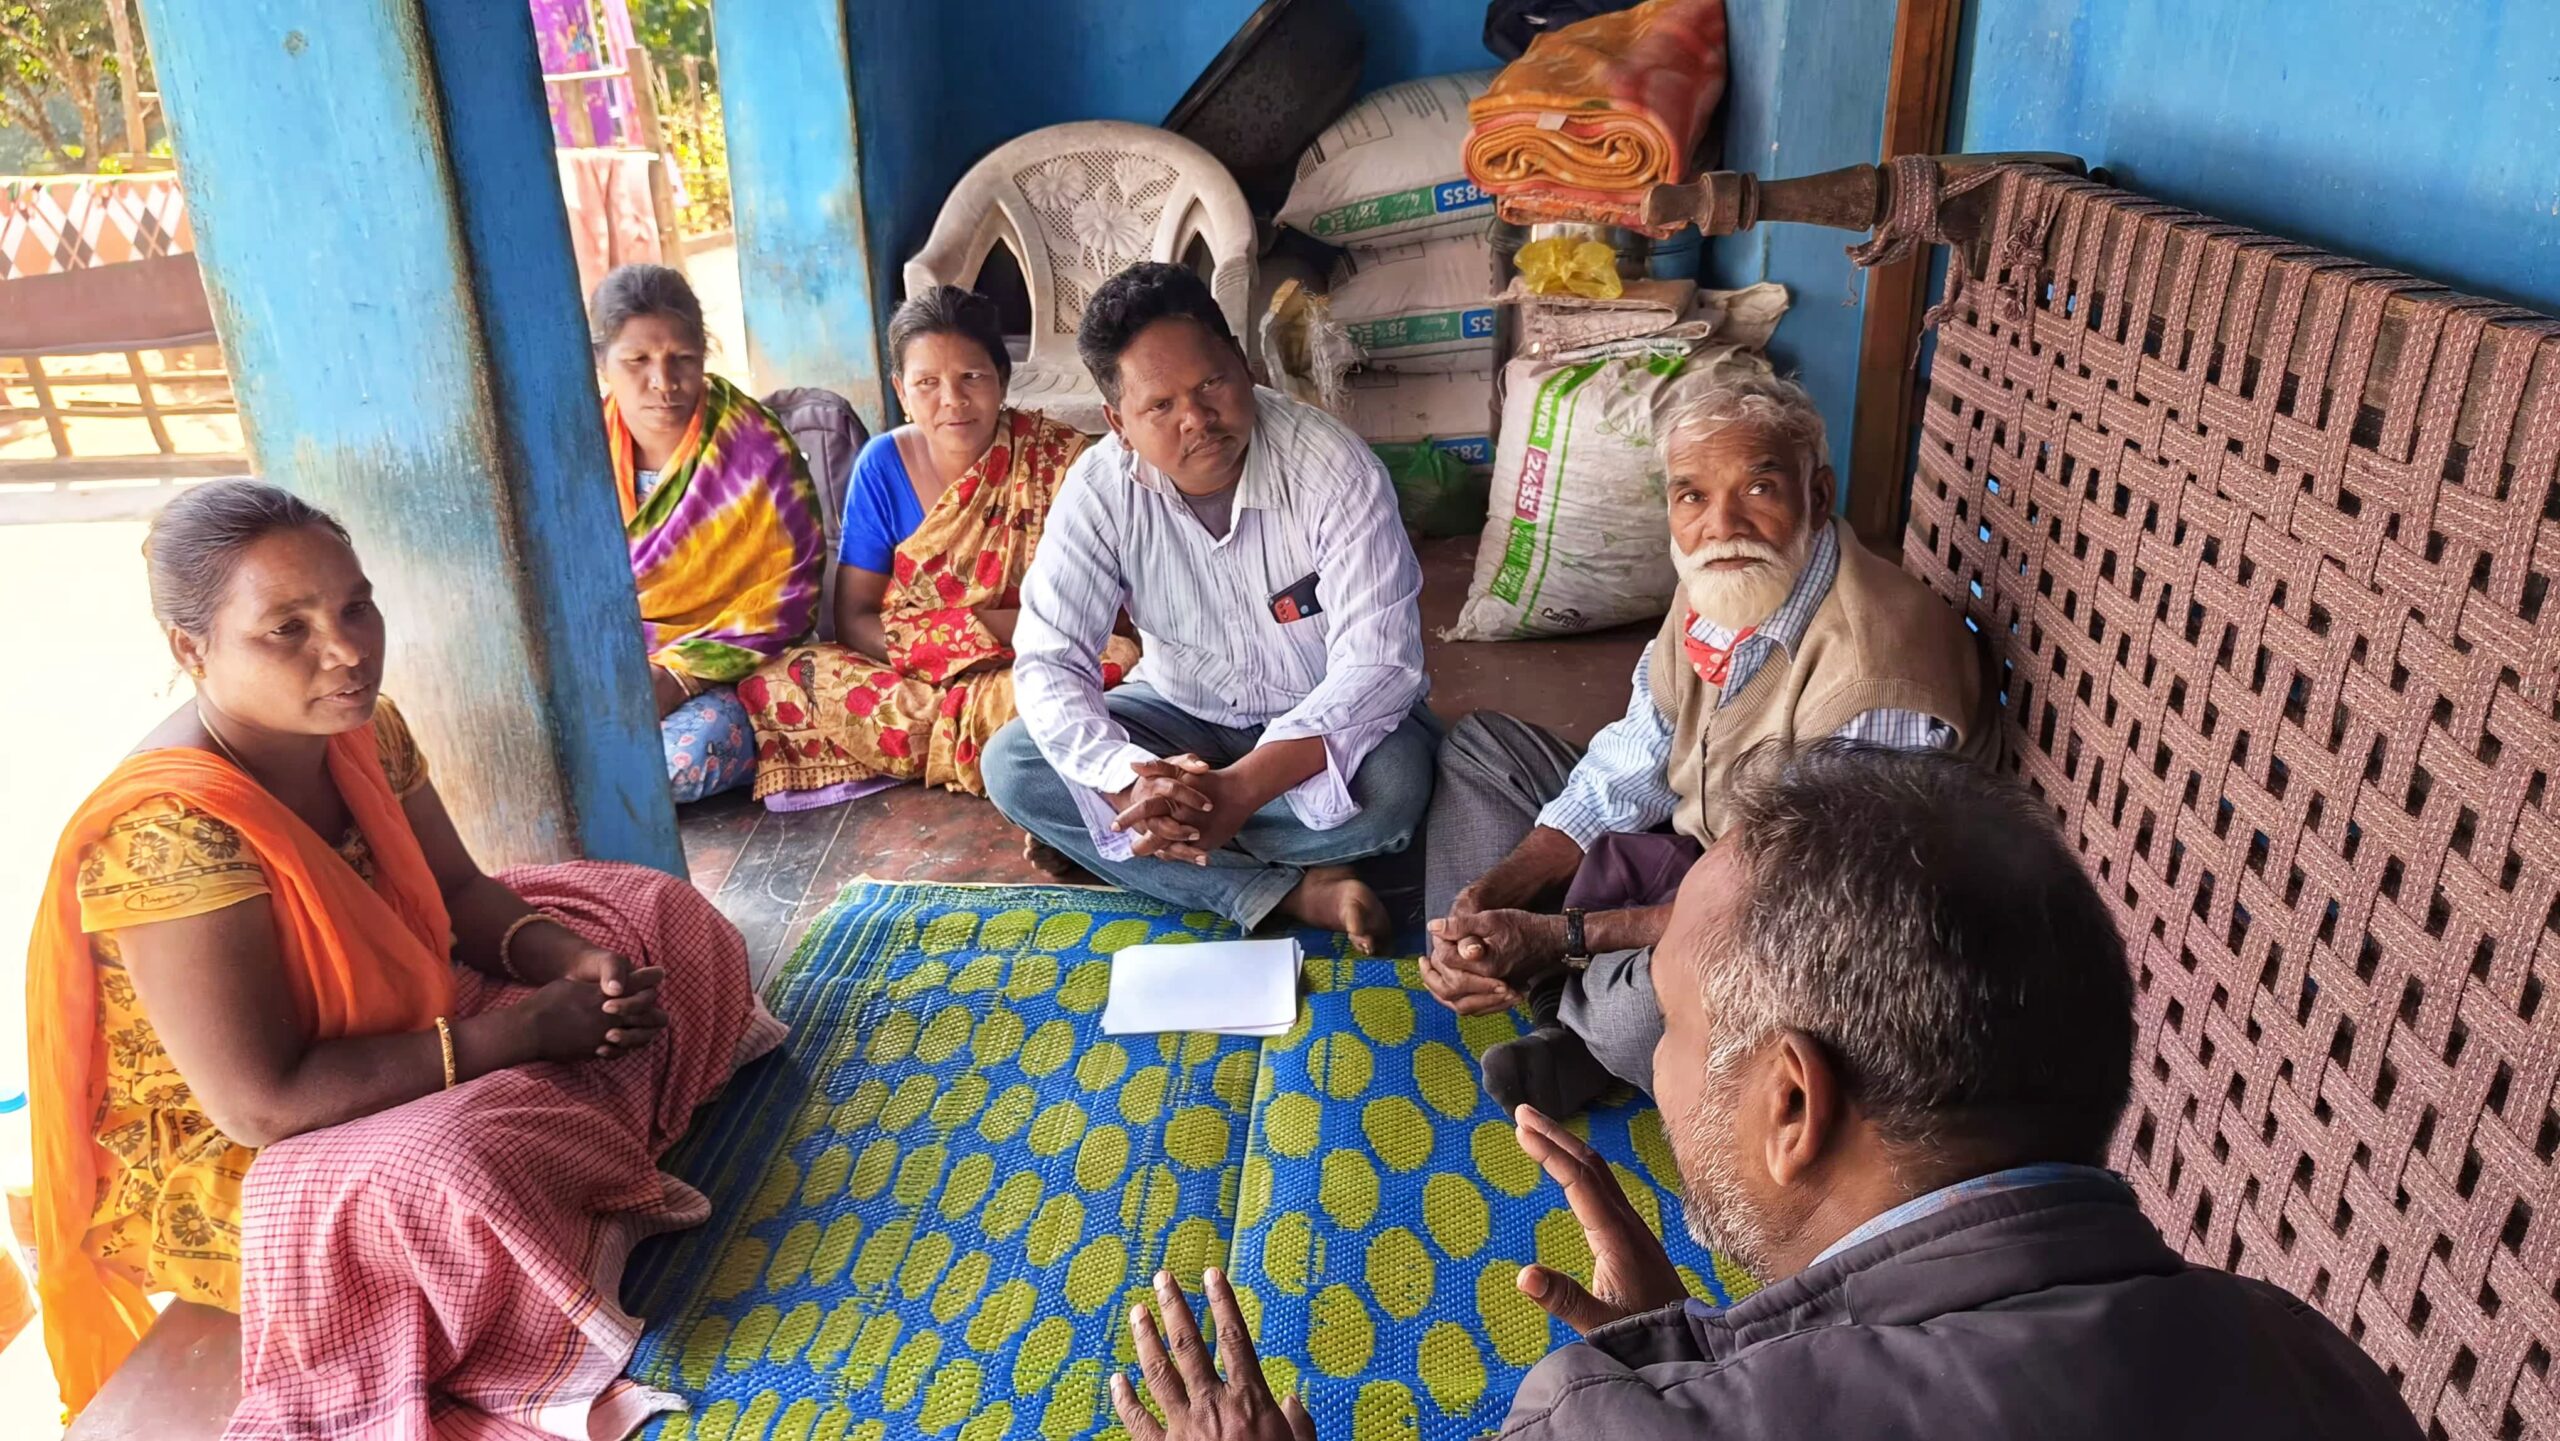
1596, 113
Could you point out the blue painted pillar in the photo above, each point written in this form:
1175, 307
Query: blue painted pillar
380, 225
805, 263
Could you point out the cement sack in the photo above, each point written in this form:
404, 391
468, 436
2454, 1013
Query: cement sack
1424, 307
1391, 169
1578, 535
1452, 413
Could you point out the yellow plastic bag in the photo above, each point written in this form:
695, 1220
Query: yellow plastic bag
1560, 265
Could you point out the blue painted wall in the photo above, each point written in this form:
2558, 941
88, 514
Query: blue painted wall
1421, 37
2421, 136
938, 86
1807, 95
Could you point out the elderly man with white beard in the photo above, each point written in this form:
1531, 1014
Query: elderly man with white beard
1785, 629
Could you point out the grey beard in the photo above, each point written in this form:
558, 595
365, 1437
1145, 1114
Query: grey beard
1718, 606
1716, 1208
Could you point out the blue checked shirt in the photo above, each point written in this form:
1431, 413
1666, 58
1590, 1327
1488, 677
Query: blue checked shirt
1313, 501
1620, 784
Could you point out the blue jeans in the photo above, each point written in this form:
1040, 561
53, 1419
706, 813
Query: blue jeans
710, 745
1249, 876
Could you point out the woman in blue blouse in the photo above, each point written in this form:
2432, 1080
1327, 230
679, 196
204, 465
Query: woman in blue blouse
940, 523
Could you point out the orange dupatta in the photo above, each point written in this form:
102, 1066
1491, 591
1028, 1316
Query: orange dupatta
359, 961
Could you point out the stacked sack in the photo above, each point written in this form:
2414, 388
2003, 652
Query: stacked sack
1387, 184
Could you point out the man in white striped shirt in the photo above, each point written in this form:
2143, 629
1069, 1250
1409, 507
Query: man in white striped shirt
1785, 630
1274, 733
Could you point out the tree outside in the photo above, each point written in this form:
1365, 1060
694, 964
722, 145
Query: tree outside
677, 35
67, 102
672, 29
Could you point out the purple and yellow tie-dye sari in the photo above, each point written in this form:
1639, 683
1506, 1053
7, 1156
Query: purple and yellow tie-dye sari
726, 548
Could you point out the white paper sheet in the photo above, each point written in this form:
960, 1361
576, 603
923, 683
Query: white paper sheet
1232, 988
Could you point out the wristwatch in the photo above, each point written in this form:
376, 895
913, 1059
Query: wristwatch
1577, 950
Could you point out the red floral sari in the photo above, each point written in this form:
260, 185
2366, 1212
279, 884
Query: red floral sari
825, 714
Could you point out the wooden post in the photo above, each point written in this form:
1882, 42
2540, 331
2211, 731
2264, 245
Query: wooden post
662, 190
137, 140
582, 120
1915, 123
47, 406
693, 97
150, 403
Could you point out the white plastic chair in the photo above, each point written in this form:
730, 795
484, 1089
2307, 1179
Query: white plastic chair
1079, 203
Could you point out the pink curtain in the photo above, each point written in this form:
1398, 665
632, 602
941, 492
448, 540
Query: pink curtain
610, 219
578, 35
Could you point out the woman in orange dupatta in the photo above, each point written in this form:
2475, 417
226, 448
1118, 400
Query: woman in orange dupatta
941, 520
262, 940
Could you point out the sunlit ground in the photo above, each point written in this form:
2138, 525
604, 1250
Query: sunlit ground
94, 678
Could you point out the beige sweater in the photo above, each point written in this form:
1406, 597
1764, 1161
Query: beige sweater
1880, 641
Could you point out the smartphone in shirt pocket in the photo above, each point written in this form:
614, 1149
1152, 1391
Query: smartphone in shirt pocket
1296, 601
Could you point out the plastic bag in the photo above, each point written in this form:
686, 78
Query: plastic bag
1437, 492
1305, 351
1560, 265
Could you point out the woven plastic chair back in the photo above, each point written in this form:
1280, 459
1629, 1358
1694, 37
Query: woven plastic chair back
2263, 541
1078, 204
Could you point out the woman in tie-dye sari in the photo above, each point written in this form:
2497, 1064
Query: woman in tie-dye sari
720, 515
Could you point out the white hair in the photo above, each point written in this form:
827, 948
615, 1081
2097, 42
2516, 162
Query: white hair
1706, 400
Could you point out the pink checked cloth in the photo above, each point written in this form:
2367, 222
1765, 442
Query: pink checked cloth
449, 1268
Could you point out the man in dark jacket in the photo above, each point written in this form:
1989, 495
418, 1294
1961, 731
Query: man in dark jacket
1898, 1036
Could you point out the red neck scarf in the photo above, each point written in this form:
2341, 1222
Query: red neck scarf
1713, 663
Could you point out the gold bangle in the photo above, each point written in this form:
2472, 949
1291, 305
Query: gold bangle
683, 682
444, 1038
507, 942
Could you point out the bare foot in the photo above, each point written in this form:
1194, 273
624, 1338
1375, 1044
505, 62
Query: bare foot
1333, 898
1048, 859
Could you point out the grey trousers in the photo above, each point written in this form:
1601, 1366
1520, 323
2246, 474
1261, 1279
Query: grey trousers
1496, 774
